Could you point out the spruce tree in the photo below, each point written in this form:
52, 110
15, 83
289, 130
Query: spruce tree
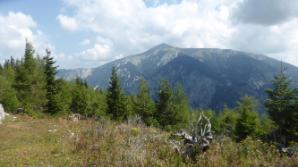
79, 103
23, 74
248, 123
143, 104
116, 100
81, 82
228, 120
181, 108
85, 101
30, 82
51, 83
8, 95
282, 106
164, 106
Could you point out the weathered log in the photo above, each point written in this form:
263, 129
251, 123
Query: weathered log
199, 140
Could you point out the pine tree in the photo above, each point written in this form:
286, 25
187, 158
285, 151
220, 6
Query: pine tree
51, 83
116, 100
85, 101
79, 102
164, 106
248, 123
143, 104
30, 82
8, 95
282, 105
228, 120
64, 97
81, 82
181, 107
23, 78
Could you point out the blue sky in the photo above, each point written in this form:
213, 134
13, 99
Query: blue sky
89, 33
45, 13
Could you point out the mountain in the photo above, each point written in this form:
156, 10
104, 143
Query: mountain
211, 77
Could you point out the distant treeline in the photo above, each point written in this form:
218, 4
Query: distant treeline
30, 86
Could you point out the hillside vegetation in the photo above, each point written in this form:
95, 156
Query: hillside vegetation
61, 142
211, 77
118, 129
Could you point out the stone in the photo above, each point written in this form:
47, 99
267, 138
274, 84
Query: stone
75, 117
2, 113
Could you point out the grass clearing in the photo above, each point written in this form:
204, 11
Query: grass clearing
61, 142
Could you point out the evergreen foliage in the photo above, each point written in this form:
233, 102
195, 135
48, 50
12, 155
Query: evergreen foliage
228, 120
164, 108
86, 101
282, 106
248, 123
181, 107
143, 104
30, 82
51, 83
171, 107
8, 96
116, 100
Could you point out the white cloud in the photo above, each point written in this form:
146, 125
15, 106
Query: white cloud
266, 12
131, 27
278, 41
97, 52
85, 42
15, 28
68, 23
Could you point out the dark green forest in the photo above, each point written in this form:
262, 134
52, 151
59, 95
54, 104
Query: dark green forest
30, 86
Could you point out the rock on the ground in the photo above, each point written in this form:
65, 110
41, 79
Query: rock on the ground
2, 113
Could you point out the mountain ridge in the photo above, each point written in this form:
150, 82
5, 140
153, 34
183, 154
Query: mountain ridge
211, 77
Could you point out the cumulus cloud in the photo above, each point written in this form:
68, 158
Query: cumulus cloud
120, 28
266, 12
278, 40
128, 28
15, 28
257, 39
111, 29
154, 3
85, 42
97, 52
68, 23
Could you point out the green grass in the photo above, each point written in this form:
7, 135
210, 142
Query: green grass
59, 142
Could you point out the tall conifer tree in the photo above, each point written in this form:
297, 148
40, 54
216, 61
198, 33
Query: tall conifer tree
116, 100
248, 123
282, 106
143, 104
51, 83
164, 106
181, 107
30, 82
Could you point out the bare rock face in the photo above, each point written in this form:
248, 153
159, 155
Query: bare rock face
2, 113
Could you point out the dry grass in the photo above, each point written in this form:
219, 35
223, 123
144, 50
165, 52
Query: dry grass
60, 142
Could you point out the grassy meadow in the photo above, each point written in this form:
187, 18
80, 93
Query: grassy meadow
61, 142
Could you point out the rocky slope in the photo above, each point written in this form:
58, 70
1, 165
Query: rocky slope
211, 77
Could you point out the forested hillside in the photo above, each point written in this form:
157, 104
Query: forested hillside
211, 77
29, 89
